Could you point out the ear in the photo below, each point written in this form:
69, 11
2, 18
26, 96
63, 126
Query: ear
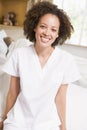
34, 29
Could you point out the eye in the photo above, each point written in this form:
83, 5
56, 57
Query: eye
42, 26
54, 30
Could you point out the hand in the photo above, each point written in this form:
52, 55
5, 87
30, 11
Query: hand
1, 125
62, 127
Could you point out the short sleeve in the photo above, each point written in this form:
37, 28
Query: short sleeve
11, 65
71, 73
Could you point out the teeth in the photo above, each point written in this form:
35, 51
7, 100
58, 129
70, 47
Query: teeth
44, 39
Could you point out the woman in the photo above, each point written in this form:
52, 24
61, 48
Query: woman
40, 73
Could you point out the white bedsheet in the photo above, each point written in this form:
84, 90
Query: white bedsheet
76, 116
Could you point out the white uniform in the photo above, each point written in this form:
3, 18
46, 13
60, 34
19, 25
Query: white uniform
35, 107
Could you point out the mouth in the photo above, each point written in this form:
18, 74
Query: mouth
45, 39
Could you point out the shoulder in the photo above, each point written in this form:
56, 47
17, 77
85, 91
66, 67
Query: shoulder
64, 55
23, 49
22, 42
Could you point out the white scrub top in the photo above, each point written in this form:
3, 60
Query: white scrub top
35, 106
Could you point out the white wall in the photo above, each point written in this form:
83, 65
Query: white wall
75, 50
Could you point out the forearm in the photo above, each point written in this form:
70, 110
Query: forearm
1, 125
62, 113
9, 104
12, 94
61, 105
11, 97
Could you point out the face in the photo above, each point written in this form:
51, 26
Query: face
47, 30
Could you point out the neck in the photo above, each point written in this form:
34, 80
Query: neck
43, 52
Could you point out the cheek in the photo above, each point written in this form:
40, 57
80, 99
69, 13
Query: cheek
37, 35
55, 36
37, 31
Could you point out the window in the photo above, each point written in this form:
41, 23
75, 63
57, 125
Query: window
77, 11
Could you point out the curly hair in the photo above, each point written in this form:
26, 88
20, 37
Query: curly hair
34, 15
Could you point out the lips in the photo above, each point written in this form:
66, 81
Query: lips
45, 39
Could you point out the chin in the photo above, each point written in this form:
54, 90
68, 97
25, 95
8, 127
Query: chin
45, 44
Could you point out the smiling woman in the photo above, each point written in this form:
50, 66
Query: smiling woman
46, 32
39, 72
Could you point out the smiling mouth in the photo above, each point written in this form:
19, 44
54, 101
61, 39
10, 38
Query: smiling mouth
44, 39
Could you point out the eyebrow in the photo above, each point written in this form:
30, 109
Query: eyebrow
52, 26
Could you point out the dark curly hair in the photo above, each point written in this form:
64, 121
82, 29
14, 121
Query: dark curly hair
34, 15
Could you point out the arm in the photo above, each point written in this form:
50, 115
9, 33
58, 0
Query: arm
60, 101
1, 125
11, 96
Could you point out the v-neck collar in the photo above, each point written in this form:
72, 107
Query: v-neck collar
50, 59
44, 72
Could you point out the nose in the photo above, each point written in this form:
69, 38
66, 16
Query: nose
47, 32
